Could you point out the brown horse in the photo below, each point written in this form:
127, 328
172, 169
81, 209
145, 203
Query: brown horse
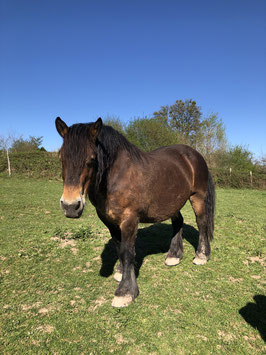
128, 186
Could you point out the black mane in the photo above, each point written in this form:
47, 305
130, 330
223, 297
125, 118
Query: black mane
108, 144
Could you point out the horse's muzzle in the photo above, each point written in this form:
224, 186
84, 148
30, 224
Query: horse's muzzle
73, 209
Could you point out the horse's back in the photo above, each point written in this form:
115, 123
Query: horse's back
187, 162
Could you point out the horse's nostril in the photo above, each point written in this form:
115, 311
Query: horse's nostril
77, 206
65, 206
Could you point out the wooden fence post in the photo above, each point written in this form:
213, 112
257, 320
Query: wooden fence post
8, 163
251, 178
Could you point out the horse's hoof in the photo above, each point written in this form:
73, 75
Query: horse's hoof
199, 261
118, 276
122, 301
172, 261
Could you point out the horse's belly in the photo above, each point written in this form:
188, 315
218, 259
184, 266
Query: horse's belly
163, 206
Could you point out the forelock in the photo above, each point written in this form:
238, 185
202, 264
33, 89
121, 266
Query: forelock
75, 146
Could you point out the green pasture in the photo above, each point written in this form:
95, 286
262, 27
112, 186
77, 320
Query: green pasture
56, 280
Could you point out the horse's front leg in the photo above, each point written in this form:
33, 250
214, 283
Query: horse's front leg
127, 290
116, 237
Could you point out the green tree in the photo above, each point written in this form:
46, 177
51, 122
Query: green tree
114, 122
163, 115
26, 145
184, 117
238, 158
150, 133
262, 163
211, 139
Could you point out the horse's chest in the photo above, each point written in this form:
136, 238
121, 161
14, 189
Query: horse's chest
116, 209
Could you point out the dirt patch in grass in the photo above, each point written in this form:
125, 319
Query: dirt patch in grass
98, 303
260, 260
27, 307
46, 328
63, 243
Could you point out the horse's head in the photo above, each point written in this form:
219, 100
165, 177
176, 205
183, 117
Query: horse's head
77, 154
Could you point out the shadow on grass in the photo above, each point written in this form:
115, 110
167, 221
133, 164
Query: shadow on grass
151, 240
255, 314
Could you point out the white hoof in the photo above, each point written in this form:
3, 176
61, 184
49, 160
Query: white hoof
199, 261
172, 261
118, 276
122, 301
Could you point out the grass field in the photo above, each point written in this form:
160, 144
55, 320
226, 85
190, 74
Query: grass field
57, 285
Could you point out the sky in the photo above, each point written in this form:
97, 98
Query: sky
85, 59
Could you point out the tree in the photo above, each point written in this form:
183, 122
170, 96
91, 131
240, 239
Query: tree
238, 158
114, 122
211, 138
150, 133
184, 117
10, 144
25, 145
262, 163
163, 115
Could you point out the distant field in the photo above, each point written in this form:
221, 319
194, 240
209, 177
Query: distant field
57, 286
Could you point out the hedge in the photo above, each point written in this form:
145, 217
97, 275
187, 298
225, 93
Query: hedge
47, 164
36, 164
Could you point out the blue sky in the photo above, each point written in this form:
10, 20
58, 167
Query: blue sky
83, 59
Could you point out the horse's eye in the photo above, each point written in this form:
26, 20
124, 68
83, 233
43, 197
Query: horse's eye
90, 160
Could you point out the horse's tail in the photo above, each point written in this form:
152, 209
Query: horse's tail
210, 207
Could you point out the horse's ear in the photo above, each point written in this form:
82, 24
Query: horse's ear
95, 128
61, 127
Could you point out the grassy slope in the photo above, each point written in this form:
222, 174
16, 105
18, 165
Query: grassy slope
53, 298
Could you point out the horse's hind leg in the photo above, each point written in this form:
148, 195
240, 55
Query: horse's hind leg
203, 251
175, 252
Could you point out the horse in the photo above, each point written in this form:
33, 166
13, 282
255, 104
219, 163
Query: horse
128, 186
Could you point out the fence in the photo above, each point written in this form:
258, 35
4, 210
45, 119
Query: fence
239, 179
46, 164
